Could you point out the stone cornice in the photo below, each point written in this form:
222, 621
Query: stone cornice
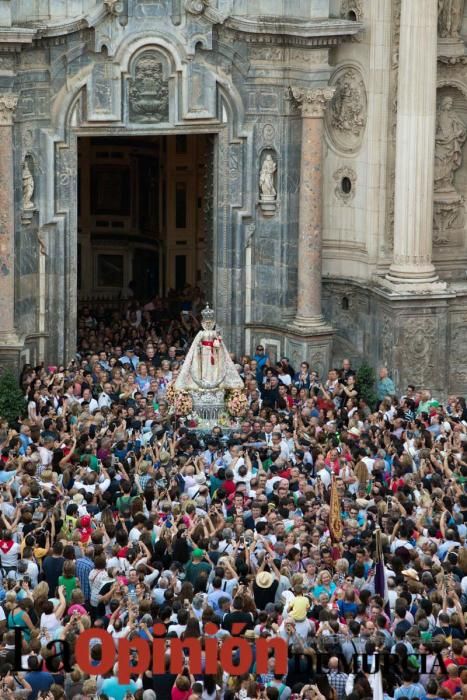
312, 102
305, 29
8, 102
14, 38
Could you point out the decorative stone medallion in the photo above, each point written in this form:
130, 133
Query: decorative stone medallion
346, 118
149, 91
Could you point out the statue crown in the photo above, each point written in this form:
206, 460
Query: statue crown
208, 318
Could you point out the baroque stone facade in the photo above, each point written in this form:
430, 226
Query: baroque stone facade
324, 238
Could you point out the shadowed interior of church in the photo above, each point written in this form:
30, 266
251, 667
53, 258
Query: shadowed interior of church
143, 215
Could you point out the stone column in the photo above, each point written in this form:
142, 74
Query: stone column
8, 103
312, 104
415, 145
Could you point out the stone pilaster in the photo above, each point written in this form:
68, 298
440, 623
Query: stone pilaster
312, 104
9, 342
415, 143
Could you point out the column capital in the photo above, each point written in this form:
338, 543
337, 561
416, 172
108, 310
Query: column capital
311, 101
8, 102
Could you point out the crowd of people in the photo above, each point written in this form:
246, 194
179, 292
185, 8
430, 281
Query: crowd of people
115, 514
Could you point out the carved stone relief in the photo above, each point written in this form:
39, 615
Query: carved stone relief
449, 209
450, 16
387, 341
148, 90
458, 340
346, 118
345, 178
419, 337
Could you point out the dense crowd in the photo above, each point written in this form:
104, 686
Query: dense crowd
116, 514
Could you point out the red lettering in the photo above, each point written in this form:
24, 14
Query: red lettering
178, 649
245, 656
211, 647
159, 649
125, 667
281, 656
82, 652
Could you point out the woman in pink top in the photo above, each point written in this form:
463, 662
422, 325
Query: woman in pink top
182, 687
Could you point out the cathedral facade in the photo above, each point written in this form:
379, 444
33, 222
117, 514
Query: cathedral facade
301, 161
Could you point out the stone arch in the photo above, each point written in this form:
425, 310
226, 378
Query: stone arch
232, 151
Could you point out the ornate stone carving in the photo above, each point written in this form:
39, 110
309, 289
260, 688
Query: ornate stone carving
349, 6
8, 104
268, 193
450, 16
448, 217
113, 7
312, 102
196, 7
448, 209
341, 190
346, 119
450, 137
149, 91
268, 133
28, 187
387, 340
458, 340
418, 341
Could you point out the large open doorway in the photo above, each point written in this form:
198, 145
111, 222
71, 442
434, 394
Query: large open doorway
144, 225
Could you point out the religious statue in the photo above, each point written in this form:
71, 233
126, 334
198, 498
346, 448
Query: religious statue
208, 365
450, 16
28, 187
266, 177
347, 106
450, 137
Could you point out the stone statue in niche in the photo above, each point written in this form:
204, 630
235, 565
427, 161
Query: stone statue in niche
28, 187
266, 177
450, 16
149, 92
450, 137
268, 193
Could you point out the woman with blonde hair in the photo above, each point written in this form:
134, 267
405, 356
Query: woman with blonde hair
362, 474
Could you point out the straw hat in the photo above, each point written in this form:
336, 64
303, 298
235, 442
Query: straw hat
410, 573
264, 579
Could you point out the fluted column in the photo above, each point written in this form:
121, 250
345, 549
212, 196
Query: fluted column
8, 103
312, 104
415, 144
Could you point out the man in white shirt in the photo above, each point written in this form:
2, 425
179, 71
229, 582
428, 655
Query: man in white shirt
88, 398
104, 397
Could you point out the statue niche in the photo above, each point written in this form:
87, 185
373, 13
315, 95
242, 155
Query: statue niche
148, 90
451, 134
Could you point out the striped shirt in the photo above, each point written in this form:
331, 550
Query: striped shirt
83, 568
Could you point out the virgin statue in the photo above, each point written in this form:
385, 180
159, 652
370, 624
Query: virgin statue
208, 365
450, 138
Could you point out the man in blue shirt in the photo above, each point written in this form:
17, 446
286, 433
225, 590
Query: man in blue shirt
261, 361
385, 385
37, 679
